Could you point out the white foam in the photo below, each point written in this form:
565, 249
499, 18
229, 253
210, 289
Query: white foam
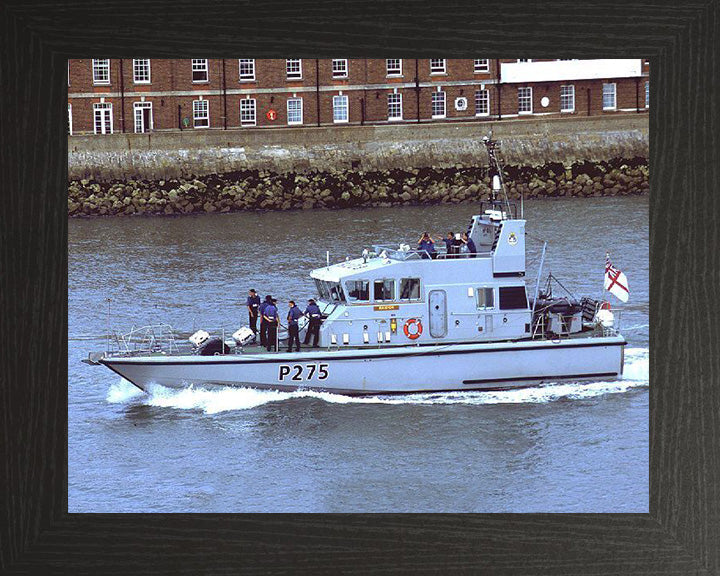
123, 391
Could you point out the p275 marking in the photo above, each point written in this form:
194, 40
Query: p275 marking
301, 373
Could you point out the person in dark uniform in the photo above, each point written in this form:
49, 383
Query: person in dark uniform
456, 244
470, 245
253, 306
449, 242
426, 245
293, 329
313, 313
270, 315
263, 323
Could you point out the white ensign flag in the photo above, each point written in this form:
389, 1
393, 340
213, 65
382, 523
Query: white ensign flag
615, 281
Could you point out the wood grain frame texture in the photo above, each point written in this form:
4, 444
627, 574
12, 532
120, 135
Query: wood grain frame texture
681, 533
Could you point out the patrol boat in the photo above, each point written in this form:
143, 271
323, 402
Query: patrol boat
397, 320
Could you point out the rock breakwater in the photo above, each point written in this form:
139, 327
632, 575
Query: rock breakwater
265, 190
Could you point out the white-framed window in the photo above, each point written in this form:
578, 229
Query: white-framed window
247, 68
293, 69
141, 71
294, 111
339, 68
248, 112
393, 66
647, 94
525, 100
103, 118
438, 66
482, 66
199, 70
410, 289
70, 119
101, 71
384, 289
201, 114
340, 108
567, 98
143, 116
438, 104
395, 111
609, 96
482, 103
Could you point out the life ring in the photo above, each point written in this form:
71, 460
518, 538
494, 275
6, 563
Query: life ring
413, 322
605, 305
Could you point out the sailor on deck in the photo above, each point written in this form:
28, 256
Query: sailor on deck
293, 329
253, 305
270, 315
263, 323
313, 313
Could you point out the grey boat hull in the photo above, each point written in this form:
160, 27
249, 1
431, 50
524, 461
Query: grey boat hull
404, 370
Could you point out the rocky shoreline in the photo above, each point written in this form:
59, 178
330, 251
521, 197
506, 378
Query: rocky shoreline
265, 190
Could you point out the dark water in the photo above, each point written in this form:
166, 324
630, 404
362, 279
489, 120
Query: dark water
568, 447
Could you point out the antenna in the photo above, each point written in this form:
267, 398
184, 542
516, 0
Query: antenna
498, 184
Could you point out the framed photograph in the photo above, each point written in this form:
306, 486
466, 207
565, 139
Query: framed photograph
615, 443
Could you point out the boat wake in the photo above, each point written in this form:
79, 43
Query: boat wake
636, 375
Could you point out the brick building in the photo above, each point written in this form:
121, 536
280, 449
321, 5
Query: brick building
143, 95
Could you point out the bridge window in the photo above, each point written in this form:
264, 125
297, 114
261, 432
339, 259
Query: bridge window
485, 298
410, 289
513, 298
358, 290
336, 292
322, 289
384, 290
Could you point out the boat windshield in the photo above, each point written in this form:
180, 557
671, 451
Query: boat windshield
330, 291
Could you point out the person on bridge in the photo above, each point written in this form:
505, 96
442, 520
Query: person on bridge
426, 245
472, 250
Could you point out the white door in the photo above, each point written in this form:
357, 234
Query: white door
103, 118
143, 116
438, 313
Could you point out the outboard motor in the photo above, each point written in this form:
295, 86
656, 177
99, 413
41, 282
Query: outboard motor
243, 336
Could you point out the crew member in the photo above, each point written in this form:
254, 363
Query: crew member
427, 246
470, 245
263, 323
293, 329
449, 242
456, 244
313, 313
253, 306
270, 315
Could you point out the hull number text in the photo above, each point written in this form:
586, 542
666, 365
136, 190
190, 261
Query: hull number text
303, 372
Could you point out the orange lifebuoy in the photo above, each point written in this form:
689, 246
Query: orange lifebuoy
605, 306
413, 322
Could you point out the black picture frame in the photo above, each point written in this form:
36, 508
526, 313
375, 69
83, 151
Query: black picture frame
680, 535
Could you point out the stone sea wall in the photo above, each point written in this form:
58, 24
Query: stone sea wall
265, 190
335, 167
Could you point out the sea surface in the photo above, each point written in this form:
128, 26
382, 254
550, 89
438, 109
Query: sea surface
565, 447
